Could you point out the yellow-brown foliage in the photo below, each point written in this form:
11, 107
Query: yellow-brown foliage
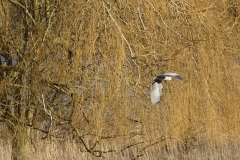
116, 48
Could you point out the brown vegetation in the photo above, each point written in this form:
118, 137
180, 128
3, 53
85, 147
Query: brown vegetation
88, 66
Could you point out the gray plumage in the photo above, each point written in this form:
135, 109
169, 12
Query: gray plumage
156, 89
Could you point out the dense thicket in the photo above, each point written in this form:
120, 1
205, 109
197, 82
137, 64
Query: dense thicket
80, 72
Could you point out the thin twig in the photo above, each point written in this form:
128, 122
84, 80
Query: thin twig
140, 17
203, 11
96, 153
47, 111
119, 29
49, 25
181, 36
141, 151
123, 37
19, 4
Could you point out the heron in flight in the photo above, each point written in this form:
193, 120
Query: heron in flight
156, 89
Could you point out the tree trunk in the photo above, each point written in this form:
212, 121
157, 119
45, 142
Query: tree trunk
21, 144
22, 140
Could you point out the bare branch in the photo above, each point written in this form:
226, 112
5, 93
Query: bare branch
90, 150
119, 29
180, 36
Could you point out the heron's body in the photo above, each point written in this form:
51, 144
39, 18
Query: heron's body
156, 89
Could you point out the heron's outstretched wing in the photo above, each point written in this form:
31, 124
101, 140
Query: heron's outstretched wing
172, 75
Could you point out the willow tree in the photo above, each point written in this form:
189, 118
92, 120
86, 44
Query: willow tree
84, 69
26, 50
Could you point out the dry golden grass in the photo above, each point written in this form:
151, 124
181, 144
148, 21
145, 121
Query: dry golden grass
117, 48
51, 150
